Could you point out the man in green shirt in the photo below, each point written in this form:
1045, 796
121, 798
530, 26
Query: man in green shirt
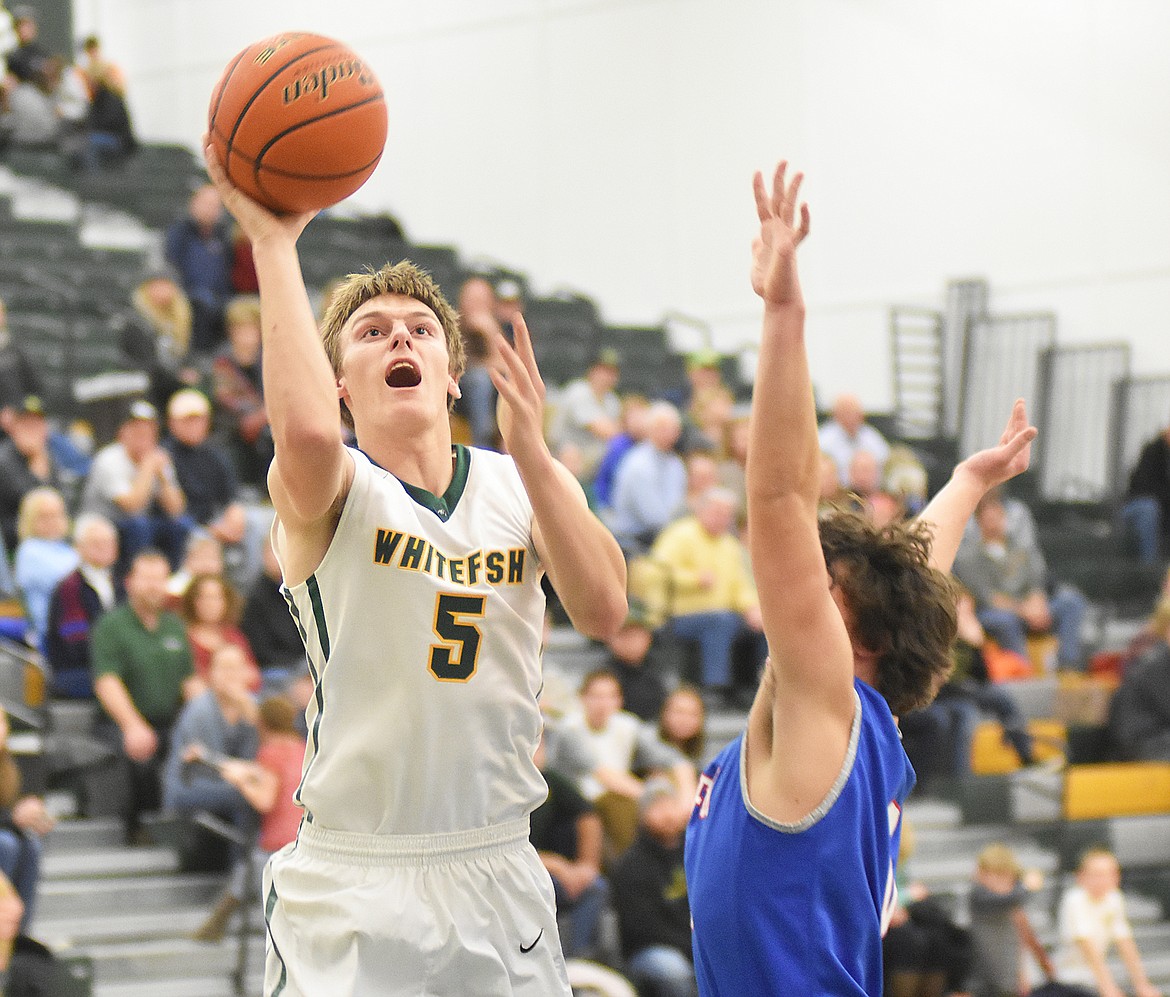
143, 673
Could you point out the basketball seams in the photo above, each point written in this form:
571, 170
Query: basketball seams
264, 86
372, 99
223, 85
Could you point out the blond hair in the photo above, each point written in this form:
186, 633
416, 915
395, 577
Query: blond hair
394, 278
242, 310
997, 858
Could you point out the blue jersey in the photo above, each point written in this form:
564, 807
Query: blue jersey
799, 908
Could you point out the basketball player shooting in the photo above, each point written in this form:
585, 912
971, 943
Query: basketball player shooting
413, 568
791, 846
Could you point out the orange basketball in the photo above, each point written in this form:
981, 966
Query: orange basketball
298, 122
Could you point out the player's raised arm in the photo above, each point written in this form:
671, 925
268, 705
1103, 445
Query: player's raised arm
583, 560
300, 391
973, 478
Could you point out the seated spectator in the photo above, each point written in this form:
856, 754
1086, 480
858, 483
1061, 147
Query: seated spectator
30, 119
712, 599
27, 462
650, 896
204, 556
614, 746
865, 484
208, 480
938, 738
567, 834
1001, 931
1019, 525
79, 599
109, 132
733, 464
650, 487
1146, 512
1092, 918
709, 406
270, 628
26, 62
44, 555
210, 608
24, 821
636, 659
142, 676
199, 247
269, 785
18, 377
1008, 583
702, 475
238, 390
832, 492
479, 320
157, 338
846, 432
682, 723
905, 479
133, 483
635, 425
588, 412
1139, 712
217, 724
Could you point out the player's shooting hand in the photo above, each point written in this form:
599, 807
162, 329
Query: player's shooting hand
256, 220
774, 250
513, 371
1009, 457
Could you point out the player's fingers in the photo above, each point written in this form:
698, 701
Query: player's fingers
791, 198
761, 195
802, 233
1020, 441
778, 188
523, 341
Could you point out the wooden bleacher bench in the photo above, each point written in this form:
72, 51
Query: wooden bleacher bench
1116, 789
992, 755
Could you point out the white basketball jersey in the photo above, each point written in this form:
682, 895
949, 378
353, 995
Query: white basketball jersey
423, 628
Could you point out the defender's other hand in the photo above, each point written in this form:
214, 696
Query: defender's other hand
774, 250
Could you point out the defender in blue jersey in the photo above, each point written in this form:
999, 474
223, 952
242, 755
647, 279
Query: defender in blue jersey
791, 847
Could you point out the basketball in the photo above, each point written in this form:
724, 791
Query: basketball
298, 122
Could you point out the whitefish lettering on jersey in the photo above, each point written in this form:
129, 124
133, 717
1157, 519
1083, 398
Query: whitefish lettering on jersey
395, 549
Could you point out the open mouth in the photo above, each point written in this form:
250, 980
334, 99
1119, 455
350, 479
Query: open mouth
403, 374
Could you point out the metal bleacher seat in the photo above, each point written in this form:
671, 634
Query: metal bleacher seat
648, 365
565, 333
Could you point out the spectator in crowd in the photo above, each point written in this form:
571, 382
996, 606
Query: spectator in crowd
1146, 512
27, 462
110, 131
133, 483
24, 821
79, 599
1092, 918
637, 661
244, 279
478, 319
588, 412
26, 62
199, 247
702, 475
208, 480
142, 676
712, 597
18, 377
1139, 712
1019, 524
832, 492
33, 109
239, 393
847, 432
1008, 583
635, 425
1001, 931
44, 555
567, 834
210, 607
733, 463
650, 487
157, 339
270, 628
217, 724
939, 737
615, 746
682, 723
204, 556
650, 897
709, 405
269, 785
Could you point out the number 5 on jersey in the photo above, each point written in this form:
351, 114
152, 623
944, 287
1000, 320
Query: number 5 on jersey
455, 659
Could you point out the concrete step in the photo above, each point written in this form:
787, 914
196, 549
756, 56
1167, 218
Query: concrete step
191, 987
80, 834
108, 896
107, 861
165, 960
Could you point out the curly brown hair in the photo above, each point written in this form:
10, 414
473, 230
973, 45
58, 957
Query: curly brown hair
232, 598
394, 278
903, 610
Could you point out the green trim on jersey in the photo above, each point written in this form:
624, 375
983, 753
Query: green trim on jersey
318, 614
443, 506
269, 907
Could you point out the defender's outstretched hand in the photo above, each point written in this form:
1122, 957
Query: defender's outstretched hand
773, 251
514, 372
1011, 456
255, 219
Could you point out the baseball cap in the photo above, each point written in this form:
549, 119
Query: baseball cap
609, 357
142, 409
654, 789
702, 358
187, 402
31, 405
